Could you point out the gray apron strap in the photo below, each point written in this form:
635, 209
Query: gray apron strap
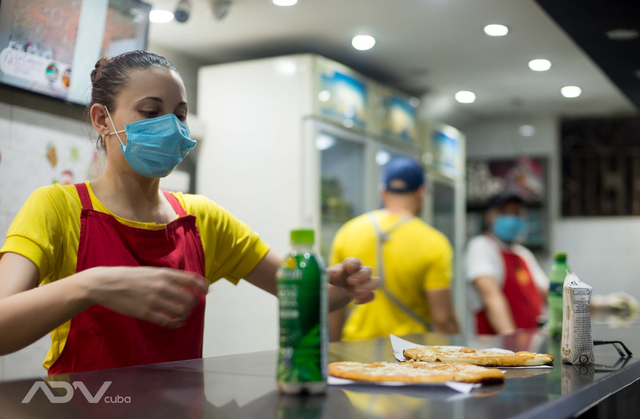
382, 238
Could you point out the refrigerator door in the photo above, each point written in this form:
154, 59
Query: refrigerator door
444, 209
343, 179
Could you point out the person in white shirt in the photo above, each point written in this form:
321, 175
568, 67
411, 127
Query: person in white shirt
508, 285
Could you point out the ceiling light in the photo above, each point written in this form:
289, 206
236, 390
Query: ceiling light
496, 30
363, 42
571, 91
539, 65
324, 96
285, 2
527, 130
414, 101
465, 96
622, 34
160, 16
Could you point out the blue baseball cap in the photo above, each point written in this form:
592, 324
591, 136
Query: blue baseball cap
408, 171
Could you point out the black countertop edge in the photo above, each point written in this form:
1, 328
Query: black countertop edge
581, 400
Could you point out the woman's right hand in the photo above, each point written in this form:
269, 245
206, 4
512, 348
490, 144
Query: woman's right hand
160, 295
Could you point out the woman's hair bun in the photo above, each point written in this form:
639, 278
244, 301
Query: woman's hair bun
101, 62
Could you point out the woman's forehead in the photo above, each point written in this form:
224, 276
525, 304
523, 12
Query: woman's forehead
156, 82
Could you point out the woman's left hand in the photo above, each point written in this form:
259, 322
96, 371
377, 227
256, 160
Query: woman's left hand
354, 279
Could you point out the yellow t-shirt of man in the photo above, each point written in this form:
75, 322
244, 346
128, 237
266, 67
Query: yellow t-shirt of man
47, 232
417, 258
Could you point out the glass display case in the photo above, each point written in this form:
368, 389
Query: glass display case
342, 184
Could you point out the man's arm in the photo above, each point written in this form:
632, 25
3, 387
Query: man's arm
442, 314
496, 304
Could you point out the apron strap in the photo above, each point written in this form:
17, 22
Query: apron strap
83, 193
382, 237
175, 204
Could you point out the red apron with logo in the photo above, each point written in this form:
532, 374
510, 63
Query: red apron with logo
521, 293
100, 338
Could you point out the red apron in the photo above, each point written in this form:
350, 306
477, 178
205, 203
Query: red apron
100, 338
521, 292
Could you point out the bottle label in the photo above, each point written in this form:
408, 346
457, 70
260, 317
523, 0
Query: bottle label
302, 294
555, 290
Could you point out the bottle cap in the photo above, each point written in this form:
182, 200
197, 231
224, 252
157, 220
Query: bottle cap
559, 255
302, 236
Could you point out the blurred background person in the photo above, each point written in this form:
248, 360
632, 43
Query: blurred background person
509, 286
413, 260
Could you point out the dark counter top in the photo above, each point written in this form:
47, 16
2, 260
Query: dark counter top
243, 386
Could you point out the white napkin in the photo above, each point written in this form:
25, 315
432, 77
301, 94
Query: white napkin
400, 345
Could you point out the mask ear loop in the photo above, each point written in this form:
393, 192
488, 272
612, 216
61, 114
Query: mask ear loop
116, 132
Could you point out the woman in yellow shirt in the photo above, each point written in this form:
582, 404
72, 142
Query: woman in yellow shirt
136, 261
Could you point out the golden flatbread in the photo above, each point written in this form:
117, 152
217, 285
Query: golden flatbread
477, 357
415, 372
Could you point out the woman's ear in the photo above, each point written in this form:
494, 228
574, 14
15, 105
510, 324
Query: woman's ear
99, 119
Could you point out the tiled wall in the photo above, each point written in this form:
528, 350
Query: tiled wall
26, 138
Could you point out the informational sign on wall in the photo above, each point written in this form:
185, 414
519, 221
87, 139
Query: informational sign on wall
41, 41
445, 153
399, 119
343, 97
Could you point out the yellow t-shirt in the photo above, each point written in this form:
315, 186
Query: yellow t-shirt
47, 231
417, 258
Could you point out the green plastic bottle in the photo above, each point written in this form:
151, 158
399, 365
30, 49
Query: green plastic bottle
302, 291
556, 281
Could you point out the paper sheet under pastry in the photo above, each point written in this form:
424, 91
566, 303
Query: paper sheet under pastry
400, 345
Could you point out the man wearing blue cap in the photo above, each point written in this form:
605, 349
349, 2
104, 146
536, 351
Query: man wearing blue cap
412, 259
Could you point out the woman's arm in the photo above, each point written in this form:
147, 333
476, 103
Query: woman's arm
498, 311
348, 280
161, 296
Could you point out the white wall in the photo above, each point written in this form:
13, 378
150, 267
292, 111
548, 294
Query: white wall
25, 135
602, 250
250, 162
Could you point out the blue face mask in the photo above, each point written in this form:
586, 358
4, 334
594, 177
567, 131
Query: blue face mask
155, 146
509, 228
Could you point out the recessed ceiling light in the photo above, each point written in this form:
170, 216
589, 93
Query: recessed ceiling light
363, 42
465, 96
160, 16
622, 34
539, 65
285, 2
527, 130
496, 30
571, 91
